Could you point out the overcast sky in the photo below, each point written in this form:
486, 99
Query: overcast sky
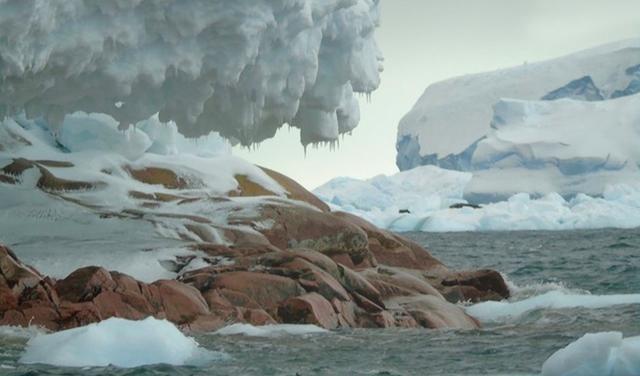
425, 41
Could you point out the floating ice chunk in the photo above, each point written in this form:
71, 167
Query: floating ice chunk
596, 354
270, 330
505, 310
118, 342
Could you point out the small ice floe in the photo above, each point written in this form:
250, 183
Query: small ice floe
120, 343
269, 330
596, 354
505, 310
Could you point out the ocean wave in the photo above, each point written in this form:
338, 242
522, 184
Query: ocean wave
556, 299
269, 330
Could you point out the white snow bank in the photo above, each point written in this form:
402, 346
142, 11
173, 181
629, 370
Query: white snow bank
270, 330
596, 354
117, 342
240, 68
506, 310
428, 191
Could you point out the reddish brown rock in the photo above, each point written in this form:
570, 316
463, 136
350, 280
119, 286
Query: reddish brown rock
309, 309
158, 176
393, 250
181, 303
312, 278
295, 191
475, 286
265, 289
355, 283
435, 313
302, 227
85, 284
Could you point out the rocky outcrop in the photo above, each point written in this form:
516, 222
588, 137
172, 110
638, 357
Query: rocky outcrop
287, 259
388, 282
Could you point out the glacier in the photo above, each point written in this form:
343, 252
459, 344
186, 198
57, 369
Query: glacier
452, 115
242, 69
567, 125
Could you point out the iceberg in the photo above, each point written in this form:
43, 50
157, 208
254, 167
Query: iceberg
567, 125
120, 343
242, 69
452, 115
432, 199
596, 354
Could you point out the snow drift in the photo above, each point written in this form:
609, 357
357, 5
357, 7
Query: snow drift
117, 342
240, 68
596, 354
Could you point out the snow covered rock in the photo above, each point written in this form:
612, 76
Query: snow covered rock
241, 68
201, 239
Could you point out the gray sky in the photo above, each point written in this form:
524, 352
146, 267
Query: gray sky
425, 41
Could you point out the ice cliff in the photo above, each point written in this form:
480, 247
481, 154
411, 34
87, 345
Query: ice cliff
241, 68
567, 125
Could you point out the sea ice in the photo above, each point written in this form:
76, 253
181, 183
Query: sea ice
118, 342
596, 354
427, 192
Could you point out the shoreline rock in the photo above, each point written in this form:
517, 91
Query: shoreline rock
388, 282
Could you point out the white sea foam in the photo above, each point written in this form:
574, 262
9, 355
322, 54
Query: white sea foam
270, 330
118, 342
507, 310
19, 332
596, 354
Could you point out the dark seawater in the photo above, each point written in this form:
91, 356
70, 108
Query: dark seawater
602, 262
